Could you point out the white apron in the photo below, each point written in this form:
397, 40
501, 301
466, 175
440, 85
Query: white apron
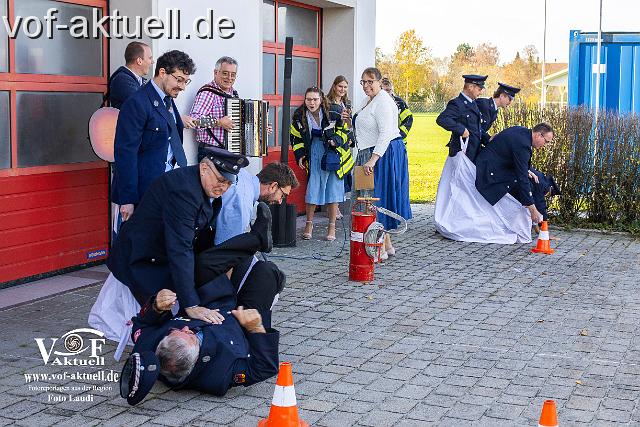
462, 213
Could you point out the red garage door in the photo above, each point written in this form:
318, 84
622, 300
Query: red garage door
53, 189
283, 18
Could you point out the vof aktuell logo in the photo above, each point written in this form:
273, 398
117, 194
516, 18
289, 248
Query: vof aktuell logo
71, 349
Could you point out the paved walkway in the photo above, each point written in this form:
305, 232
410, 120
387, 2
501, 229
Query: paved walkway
448, 334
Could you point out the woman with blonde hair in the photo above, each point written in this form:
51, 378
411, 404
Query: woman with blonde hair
340, 105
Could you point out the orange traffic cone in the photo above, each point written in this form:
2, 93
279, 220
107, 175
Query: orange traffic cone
284, 412
543, 246
548, 417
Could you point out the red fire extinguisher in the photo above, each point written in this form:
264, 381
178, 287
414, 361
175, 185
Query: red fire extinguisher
363, 215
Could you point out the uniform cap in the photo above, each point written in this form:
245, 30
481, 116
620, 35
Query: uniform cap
475, 79
227, 163
511, 91
139, 374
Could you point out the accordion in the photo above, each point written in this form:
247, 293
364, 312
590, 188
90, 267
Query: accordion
250, 119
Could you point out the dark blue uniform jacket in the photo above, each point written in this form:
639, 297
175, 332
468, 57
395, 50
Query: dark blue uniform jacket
122, 84
503, 166
229, 355
460, 114
489, 115
154, 249
144, 131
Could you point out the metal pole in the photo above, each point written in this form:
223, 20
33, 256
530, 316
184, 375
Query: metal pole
543, 101
598, 68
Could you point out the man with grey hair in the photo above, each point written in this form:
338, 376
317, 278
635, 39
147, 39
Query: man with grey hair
242, 349
210, 101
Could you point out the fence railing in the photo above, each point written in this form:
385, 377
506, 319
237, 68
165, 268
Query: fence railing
426, 107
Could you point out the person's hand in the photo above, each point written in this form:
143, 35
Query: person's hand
345, 115
126, 211
225, 122
188, 121
203, 313
301, 162
249, 319
269, 129
368, 167
465, 134
536, 217
164, 300
534, 177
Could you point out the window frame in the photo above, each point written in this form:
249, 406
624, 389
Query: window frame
14, 82
277, 48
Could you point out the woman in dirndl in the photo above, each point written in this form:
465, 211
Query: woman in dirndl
313, 134
382, 151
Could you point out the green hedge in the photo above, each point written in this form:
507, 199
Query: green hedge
597, 171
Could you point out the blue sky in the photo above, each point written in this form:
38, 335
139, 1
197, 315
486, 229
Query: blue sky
508, 24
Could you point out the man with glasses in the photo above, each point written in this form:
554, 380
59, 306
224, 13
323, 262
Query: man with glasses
168, 241
503, 166
148, 139
272, 185
210, 102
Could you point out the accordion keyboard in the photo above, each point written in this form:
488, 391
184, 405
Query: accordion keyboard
249, 134
234, 136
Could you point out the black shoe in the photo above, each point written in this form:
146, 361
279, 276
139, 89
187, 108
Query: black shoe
262, 227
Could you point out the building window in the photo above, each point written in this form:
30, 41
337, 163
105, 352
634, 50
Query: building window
281, 19
5, 135
306, 74
50, 89
72, 57
4, 40
268, 21
269, 73
299, 23
47, 130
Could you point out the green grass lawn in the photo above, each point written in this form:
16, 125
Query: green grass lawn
426, 147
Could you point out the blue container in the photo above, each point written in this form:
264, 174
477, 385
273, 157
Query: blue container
619, 72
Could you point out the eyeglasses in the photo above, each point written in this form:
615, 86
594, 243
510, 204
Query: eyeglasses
547, 141
368, 82
284, 194
221, 179
227, 74
181, 80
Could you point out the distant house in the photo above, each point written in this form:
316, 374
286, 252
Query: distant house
556, 82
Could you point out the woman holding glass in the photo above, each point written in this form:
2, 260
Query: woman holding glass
320, 145
340, 106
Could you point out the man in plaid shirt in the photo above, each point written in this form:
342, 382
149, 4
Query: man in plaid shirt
212, 105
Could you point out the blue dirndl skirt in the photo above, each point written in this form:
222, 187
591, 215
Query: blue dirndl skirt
391, 183
322, 187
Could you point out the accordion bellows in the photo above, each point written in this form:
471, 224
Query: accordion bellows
249, 135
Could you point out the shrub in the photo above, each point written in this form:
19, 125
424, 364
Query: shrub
596, 167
